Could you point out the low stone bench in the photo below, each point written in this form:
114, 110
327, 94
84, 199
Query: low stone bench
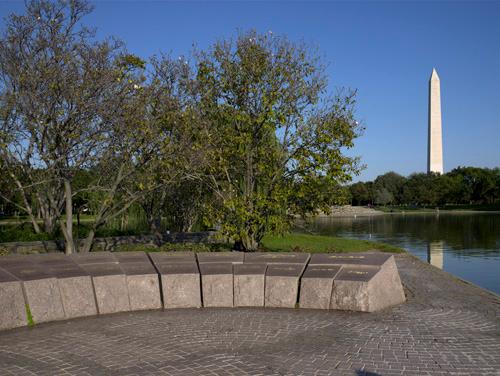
249, 284
180, 279
75, 284
41, 291
220, 257
142, 280
282, 275
54, 286
276, 258
217, 284
13, 309
317, 285
109, 280
282, 285
366, 282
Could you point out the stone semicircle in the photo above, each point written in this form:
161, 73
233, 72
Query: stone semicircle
50, 287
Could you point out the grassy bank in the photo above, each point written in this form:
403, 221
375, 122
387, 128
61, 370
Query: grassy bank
289, 243
319, 243
295, 242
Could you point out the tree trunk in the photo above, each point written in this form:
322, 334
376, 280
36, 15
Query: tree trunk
124, 221
154, 223
34, 222
29, 211
49, 224
87, 243
68, 228
249, 243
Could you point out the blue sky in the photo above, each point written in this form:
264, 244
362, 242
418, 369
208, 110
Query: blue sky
385, 50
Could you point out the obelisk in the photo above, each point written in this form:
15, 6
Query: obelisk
435, 141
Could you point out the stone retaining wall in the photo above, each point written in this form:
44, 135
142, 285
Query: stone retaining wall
110, 243
42, 288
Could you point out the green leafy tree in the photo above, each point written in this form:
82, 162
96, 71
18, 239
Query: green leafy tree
392, 183
361, 193
383, 196
478, 185
56, 84
68, 104
276, 136
171, 111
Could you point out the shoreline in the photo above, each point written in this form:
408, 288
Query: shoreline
363, 211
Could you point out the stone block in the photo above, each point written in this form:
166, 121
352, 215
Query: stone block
276, 258
49, 260
77, 291
386, 289
282, 285
14, 261
249, 283
93, 258
180, 282
364, 258
220, 257
41, 291
133, 257
316, 286
217, 284
143, 285
172, 257
13, 308
351, 288
110, 287
367, 282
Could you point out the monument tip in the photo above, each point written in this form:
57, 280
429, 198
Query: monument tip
434, 74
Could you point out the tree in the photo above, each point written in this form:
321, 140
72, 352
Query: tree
478, 185
361, 193
383, 196
185, 204
276, 137
69, 103
392, 183
171, 112
55, 83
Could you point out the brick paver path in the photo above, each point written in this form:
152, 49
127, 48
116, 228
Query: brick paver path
446, 327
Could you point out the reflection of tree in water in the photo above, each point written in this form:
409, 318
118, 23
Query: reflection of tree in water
458, 231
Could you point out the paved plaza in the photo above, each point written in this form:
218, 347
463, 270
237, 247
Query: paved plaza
446, 327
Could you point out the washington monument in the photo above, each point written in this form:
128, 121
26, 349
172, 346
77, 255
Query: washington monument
435, 141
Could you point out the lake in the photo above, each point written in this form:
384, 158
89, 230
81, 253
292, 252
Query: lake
464, 244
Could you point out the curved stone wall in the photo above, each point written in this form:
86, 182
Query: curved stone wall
41, 288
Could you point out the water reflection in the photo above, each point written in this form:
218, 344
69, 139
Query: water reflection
435, 254
465, 244
459, 231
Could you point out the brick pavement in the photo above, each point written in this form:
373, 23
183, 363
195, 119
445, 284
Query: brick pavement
446, 328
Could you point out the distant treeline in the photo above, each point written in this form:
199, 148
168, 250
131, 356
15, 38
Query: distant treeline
462, 185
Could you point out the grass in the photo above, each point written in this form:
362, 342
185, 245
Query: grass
289, 243
325, 244
322, 244
195, 247
292, 242
29, 317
